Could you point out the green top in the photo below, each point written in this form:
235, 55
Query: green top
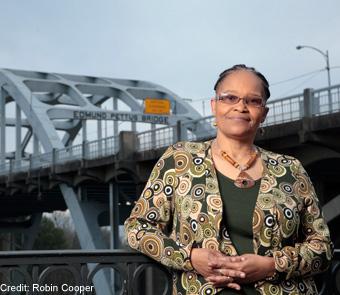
238, 209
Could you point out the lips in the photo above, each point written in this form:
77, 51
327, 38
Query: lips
239, 119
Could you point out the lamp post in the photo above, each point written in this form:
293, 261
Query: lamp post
326, 56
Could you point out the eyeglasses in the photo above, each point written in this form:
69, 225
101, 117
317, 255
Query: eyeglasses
251, 101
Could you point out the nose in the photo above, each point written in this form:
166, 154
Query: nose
241, 106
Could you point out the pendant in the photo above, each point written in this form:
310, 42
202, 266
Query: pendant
243, 180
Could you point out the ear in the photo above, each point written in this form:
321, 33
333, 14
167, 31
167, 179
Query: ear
265, 112
213, 105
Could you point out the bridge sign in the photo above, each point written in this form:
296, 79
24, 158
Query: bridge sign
119, 116
156, 106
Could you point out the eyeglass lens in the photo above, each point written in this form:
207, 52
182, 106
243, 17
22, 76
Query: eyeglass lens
234, 99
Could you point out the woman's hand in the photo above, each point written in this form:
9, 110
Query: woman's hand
207, 263
255, 268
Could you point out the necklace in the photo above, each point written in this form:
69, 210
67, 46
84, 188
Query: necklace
243, 180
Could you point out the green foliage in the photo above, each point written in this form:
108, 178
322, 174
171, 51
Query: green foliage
50, 237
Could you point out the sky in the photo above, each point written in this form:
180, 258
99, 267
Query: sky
181, 44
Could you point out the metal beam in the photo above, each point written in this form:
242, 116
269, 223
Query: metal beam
85, 221
17, 132
115, 123
2, 126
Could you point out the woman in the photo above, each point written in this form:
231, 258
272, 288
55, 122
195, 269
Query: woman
226, 216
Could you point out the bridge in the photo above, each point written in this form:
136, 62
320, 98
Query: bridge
44, 169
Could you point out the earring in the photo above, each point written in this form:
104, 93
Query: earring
215, 123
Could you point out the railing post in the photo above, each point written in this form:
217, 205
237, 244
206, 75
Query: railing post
307, 102
178, 130
307, 114
105, 145
116, 144
30, 162
54, 159
330, 100
2, 126
69, 149
99, 138
127, 145
174, 133
181, 131
153, 135
84, 149
10, 166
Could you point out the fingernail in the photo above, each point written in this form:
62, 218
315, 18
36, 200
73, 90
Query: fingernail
242, 275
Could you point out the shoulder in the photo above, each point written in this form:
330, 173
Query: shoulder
192, 147
272, 157
182, 154
187, 150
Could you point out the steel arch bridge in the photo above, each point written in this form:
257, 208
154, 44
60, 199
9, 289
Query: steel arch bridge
48, 111
52, 109
51, 102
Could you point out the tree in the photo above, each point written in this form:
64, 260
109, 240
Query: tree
50, 237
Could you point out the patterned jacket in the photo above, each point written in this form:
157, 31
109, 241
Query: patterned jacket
181, 208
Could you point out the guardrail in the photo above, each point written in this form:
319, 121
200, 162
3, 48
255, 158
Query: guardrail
75, 271
130, 273
88, 150
308, 104
312, 103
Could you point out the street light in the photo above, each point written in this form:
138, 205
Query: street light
326, 56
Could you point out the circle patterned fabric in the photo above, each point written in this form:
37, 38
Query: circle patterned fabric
181, 208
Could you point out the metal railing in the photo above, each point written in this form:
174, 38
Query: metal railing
282, 110
74, 272
285, 110
134, 273
157, 138
322, 103
310, 103
88, 150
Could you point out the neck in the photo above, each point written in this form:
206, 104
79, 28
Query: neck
238, 150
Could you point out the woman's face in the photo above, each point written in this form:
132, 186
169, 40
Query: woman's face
238, 120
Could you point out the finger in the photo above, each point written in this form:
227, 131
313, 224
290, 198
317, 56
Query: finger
234, 286
237, 258
220, 281
232, 273
227, 262
235, 273
231, 260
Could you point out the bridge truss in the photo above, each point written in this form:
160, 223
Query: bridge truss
48, 111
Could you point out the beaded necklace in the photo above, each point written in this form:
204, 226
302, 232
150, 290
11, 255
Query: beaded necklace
243, 180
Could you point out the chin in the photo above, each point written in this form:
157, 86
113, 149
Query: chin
241, 134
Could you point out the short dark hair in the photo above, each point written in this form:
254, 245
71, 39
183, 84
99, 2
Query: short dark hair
239, 67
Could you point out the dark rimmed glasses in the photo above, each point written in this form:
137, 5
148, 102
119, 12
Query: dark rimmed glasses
251, 101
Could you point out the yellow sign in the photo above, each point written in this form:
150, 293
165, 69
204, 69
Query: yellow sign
156, 106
